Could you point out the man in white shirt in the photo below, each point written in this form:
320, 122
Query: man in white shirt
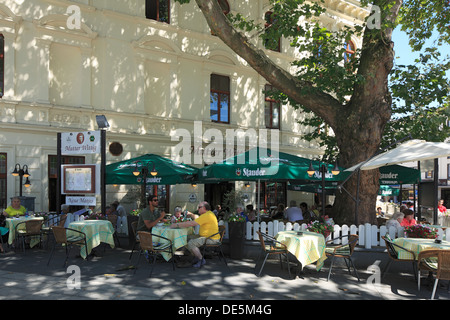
294, 213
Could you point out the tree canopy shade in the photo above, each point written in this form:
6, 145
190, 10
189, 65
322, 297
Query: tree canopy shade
353, 99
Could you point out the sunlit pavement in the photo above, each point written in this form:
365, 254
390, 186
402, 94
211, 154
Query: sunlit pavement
109, 276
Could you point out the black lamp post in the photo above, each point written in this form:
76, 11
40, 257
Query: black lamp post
103, 125
22, 172
144, 171
323, 170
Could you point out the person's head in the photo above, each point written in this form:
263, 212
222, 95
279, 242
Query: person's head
65, 208
379, 209
304, 206
441, 202
218, 207
177, 212
280, 207
152, 201
239, 209
409, 214
113, 207
403, 207
15, 202
398, 216
203, 207
249, 207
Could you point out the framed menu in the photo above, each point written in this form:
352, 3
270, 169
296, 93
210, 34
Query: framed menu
78, 179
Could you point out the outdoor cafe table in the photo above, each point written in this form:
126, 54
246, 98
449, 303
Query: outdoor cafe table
307, 247
178, 236
96, 231
11, 224
417, 245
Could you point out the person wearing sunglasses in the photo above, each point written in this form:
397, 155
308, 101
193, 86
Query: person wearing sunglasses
151, 215
208, 227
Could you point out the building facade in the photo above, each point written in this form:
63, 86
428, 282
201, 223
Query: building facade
151, 67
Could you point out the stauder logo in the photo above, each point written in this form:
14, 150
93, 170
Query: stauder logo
238, 172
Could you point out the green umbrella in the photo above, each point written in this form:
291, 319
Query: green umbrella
168, 171
265, 165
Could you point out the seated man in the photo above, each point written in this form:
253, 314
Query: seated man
150, 216
208, 226
294, 213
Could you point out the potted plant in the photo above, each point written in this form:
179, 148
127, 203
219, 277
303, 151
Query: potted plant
421, 231
236, 225
322, 227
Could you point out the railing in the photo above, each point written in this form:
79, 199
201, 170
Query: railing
369, 235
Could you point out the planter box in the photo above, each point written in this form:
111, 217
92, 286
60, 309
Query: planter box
236, 239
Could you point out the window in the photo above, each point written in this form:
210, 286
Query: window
220, 99
2, 65
3, 175
158, 10
269, 42
271, 111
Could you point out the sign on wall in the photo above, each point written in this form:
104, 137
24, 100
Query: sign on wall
87, 142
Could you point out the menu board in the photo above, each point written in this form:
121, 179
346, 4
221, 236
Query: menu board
78, 179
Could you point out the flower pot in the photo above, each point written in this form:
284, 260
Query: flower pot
236, 239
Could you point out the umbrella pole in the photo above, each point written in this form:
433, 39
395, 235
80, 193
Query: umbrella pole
257, 202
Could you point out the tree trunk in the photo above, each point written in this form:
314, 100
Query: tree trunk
358, 125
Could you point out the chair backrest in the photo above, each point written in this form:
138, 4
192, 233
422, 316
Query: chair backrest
352, 241
261, 240
443, 272
134, 227
33, 226
60, 234
145, 239
222, 230
390, 247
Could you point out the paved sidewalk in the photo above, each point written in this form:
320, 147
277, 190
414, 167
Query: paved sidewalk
25, 276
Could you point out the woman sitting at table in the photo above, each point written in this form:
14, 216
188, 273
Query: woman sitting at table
408, 220
15, 209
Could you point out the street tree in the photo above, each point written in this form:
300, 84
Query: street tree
347, 93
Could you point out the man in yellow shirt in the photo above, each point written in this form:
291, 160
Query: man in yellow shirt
15, 208
208, 227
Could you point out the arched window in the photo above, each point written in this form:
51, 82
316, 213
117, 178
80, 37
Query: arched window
2, 65
220, 99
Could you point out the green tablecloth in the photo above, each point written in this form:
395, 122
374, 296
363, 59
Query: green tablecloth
96, 231
177, 236
11, 224
308, 247
417, 245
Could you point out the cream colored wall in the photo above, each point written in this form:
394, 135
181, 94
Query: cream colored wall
148, 78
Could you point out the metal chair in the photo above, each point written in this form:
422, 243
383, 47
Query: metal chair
393, 254
113, 219
153, 249
436, 261
216, 245
135, 238
59, 220
32, 229
344, 251
270, 246
61, 237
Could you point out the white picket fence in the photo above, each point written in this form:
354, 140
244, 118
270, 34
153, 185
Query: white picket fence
369, 235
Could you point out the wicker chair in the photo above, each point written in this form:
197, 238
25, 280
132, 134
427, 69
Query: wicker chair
32, 229
55, 221
270, 246
344, 251
153, 249
61, 237
393, 254
437, 261
215, 246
